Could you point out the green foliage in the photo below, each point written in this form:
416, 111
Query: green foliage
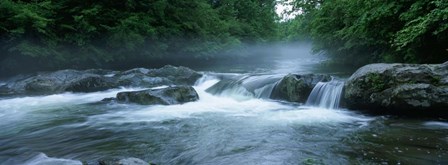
71, 33
378, 83
372, 31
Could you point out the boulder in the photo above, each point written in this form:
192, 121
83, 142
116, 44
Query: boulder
57, 82
90, 83
167, 75
178, 75
401, 88
131, 79
165, 96
96, 80
296, 88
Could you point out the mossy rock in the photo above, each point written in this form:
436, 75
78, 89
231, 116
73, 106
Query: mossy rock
398, 88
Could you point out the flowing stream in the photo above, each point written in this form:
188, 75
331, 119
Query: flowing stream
326, 94
232, 126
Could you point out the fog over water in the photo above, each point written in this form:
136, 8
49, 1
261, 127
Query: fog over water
231, 127
273, 58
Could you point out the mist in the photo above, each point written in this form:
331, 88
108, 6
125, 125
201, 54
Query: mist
273, 57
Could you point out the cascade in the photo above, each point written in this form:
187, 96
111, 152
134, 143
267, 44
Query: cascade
326, 94
246, 87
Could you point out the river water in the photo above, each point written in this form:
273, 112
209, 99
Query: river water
72, 128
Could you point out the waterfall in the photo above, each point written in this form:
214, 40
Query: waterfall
265, 91
246, 86
326, 94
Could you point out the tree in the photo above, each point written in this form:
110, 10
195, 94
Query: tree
80, 34
372, 31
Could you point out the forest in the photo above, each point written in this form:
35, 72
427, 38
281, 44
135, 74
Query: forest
48, 35
205, 82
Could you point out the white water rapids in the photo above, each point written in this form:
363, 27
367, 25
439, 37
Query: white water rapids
217, 129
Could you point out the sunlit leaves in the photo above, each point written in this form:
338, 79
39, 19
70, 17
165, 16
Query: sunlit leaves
423, 17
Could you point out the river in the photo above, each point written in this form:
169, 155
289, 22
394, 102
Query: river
72, 128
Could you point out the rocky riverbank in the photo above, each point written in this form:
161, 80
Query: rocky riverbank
399, 89
96, 80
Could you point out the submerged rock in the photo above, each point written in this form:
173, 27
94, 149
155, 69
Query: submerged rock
126, 161
400, 88
297, 88
164, 96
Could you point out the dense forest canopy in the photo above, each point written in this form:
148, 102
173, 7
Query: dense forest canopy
77, 34
413, 31
48, 34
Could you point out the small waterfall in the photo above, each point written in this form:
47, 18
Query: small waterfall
246, 86
265, 91
326, 94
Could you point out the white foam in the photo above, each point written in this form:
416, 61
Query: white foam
42, 159
21, 105
436, 124
264, 110
109, 75
228, 106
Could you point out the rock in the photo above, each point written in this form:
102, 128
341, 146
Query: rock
59, 81
401, 88
179, 75
96, 80
90, 84
296, 88
109, 99
102, 72
167, 75
164, 96
131, 161
126, 161
4, 90
11, 86
42, 84
141, 80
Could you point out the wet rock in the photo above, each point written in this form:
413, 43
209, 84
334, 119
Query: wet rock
141, 80
167, 75
126, 161
96, 80
102, 72
91, 84
131, 161
179, 75
109, 99
400, 88
60, 81
164, 96
297, 88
